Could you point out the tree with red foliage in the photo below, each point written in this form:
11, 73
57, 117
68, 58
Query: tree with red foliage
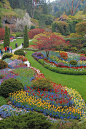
34, 32
2, 33
48, 41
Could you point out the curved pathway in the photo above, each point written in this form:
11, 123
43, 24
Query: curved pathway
14, 50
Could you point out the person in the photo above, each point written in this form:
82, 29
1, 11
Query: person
1, 53
11, 49
16, 45
22, 44
5, 49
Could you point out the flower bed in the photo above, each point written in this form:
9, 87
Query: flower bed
56, 63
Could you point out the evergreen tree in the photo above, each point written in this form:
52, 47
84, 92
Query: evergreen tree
0, 23
6, 38
26, 39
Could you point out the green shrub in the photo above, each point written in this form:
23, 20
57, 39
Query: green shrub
73, 62
19, 52
3, 64
9, 86
30, 120
7, 55
41, 61
3, 101
42, 83
85, 53
1, 76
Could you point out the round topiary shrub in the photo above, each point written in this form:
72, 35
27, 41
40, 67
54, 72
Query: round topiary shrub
9, 86
7, 55
19, 52
42, 83
73, 62
3, 64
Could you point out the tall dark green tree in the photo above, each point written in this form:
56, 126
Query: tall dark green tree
0, 23
6, 37
26, 39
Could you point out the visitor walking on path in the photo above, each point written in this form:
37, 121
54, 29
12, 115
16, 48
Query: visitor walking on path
1, 53
16, 45
5, 49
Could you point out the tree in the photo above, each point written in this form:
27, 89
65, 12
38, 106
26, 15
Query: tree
72, 7
81, 28
20, 23
0, 23
6, 38
26, 39
60, 27
48, 41
2, 33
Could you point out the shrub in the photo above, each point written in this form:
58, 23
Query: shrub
30, 120
2, 101
64, 55
42, 83
3, 64
41, 61
82, 58
7, 55
9, 86
19, 52
1, 76
73, 62
60, 64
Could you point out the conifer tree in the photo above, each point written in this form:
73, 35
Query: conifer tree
6, 37
0, 23
26, 39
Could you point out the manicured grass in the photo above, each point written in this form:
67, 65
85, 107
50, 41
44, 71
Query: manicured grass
18, 41
77, 82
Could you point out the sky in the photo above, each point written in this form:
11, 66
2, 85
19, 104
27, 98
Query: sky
51, 0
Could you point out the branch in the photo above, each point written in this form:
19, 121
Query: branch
69, 5
77, 5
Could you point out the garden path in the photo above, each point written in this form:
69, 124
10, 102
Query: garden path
14, 49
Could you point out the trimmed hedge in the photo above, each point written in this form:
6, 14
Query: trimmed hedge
7, 55
19, 52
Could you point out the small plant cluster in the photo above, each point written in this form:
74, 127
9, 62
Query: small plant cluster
38, 55
3, 64
23, 58
8, 110
64, 55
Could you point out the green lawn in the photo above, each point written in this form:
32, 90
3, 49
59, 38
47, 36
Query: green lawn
18, 41
77, 82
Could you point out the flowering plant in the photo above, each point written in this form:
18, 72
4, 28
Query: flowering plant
64, 55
